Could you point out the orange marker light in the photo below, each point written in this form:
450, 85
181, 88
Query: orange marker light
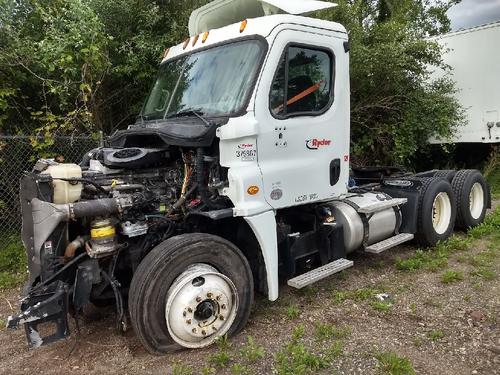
253, 190
195, 39
205, 37
186, 42
243, 26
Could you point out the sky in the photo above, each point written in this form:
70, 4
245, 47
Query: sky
470, 13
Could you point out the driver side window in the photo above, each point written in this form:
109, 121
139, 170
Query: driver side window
303, 83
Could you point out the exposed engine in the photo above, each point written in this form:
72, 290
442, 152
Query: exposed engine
100, 218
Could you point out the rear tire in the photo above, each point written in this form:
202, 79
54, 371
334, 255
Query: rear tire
471, 194
436, 211
211, 269
446, 174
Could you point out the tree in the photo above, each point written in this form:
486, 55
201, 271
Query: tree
81, 65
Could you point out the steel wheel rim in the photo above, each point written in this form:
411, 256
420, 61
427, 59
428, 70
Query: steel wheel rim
476, 200
201, 306
441, 213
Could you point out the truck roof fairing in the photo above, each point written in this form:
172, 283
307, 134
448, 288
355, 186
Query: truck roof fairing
220, 13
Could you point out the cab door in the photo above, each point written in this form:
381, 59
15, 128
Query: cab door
302, 110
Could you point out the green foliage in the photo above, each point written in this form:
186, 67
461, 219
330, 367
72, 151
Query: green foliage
436, 258
326, 331
12, 263
70, 65
392, 364
451, 276
239, 369
395, 104
335, 350
220, 359
292, 312
251, 351
181, 369
296, 359
356, 295
381, 306
435, 335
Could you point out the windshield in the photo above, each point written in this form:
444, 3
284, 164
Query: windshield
214, 82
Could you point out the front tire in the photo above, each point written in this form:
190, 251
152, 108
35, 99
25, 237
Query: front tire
188, 291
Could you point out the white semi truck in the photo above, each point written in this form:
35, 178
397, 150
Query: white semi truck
235, 178
474, 58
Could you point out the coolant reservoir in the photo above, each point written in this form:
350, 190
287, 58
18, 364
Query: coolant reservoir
64, 191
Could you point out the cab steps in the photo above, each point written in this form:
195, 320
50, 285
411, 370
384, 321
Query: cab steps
320, 273
389, 243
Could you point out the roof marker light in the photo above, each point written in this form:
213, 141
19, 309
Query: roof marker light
195, 40
243, 26
205, 37
186, 42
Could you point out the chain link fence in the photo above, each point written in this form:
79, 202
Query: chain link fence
17, 155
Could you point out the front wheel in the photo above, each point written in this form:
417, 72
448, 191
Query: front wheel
188, 291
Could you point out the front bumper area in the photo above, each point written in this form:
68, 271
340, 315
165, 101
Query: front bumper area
44, 313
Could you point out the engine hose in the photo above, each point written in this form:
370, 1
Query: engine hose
200, 178
83, 181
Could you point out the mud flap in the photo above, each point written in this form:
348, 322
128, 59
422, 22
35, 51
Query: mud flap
44, 315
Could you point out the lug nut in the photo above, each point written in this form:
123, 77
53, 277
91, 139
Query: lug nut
204, 333
190, 310
209, 295
184, 314
194, 330
188, 321
198, 299
218, 298
223, 307
221, 317
214, 328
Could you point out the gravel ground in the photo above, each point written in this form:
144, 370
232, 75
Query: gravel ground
440, 328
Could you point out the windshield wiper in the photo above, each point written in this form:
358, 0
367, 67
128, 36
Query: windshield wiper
191, 112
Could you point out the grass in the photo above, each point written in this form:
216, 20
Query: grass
335, 350
451, 276
296, 359
435, 335
437, 258
292, 312
12, 263
239, 369
381, 306
392, 364
325, 331
220, 359
251, 351
339, 296
181, 369
484, 273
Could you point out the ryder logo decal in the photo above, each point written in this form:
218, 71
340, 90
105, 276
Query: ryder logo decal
315, 144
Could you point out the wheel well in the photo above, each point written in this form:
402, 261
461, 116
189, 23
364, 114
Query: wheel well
237, 231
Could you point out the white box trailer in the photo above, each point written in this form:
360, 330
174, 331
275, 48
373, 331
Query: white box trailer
474, 56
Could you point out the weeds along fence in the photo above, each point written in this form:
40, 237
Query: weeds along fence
18, 155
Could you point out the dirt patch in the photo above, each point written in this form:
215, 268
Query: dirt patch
440, 328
